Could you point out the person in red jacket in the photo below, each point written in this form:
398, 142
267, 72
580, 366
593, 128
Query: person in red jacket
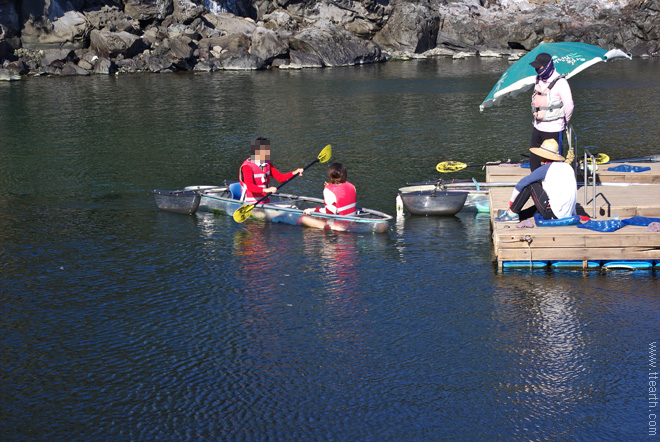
339, 195
255, 172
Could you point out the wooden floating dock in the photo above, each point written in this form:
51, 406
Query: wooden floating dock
619, 194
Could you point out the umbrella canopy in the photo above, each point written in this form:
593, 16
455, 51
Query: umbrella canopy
569, 58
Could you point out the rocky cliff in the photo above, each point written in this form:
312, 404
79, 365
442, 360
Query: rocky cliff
80, 37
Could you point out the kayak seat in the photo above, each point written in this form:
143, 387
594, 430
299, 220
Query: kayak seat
235, 189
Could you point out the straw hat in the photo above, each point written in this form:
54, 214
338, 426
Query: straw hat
548, 150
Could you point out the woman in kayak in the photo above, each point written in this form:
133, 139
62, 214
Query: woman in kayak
339, 195
255, 172
552, 187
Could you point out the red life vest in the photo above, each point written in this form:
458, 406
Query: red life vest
261, 179
346, 197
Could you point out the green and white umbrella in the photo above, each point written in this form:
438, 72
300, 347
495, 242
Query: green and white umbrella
569, 58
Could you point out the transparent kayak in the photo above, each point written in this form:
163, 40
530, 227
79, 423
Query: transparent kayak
287, 209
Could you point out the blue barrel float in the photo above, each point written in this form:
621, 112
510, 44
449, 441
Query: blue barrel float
575, 265
628, 265
524, 264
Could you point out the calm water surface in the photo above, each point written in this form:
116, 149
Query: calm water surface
122, 323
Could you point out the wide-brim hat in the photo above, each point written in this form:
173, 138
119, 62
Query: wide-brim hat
549, 150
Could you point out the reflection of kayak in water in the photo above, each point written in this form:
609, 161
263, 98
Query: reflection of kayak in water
283, 208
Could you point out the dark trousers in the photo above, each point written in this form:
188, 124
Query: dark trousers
541, 202
538, 138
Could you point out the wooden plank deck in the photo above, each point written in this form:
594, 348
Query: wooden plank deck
513, 173
615, 195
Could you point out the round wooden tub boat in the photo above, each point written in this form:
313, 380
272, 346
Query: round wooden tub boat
433, 202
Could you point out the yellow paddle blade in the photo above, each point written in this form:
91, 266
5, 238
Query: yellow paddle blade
450, 166
600, 158
325, 154
243, 213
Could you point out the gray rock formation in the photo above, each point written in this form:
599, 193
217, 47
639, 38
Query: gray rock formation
336, 47
207, 35
413, 27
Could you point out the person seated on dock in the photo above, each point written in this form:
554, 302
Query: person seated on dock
552, 187
255, 172
339, 195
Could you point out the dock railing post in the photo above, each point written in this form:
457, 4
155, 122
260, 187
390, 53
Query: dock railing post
585, 172
572, 146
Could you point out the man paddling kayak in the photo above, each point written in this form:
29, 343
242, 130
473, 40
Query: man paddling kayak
255, 172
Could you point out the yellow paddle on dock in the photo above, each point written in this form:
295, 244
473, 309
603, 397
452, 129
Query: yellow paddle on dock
455, 166
600, 158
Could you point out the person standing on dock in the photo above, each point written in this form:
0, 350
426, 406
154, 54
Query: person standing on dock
552, 105
255, 172
552, 187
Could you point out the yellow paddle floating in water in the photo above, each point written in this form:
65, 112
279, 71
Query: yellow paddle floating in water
243, 212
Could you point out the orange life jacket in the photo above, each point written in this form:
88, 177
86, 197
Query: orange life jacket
544, 109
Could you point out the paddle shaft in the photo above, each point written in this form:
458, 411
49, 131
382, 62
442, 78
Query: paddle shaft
490, 163
649, 159
282, 185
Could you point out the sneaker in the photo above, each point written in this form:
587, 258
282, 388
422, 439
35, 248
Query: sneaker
506, 218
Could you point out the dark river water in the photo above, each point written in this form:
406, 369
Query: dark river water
119, 322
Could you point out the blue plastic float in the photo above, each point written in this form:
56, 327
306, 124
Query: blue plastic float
579, 265
524, 264
628, 265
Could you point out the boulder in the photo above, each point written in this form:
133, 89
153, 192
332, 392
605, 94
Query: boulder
186, 12
148, 10
214, 47
57, 57
230, 24
127, 65
280, 20
413, 27
105, 66
67, 31
336, 47
301, 60
240, 60
206, 45
48, 70
111, 18
205, 66
646, 21
267, 45
71, 68
88, 60
182, 48
8, 75
158, 63
18, 67
363, 19
111, 44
